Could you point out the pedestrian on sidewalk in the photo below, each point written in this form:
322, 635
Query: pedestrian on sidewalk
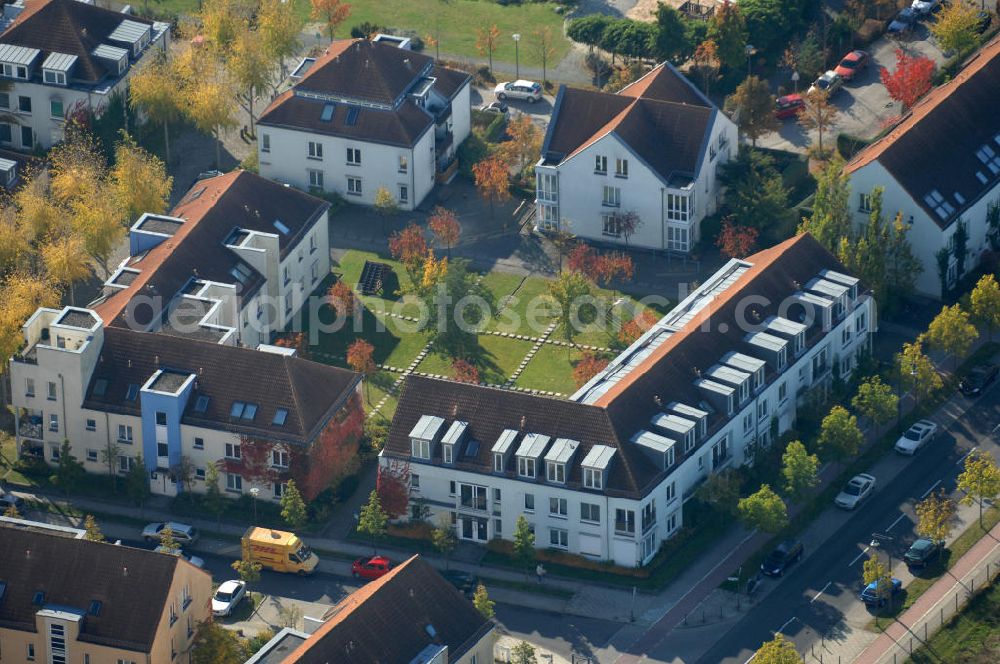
539, 572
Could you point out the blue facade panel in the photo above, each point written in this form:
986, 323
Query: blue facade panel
173, 407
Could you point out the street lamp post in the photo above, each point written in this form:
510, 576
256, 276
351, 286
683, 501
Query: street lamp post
517, 62
877, 540
795, 80
750, 50
254, 491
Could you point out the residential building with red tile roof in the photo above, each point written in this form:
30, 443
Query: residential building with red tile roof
652, 150
939, 167
604, 473
367, 114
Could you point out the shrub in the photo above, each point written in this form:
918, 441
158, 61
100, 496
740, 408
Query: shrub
470, 152
366, 29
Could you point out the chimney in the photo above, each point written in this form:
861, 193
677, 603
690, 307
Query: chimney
130, 363
156, 360
524, 422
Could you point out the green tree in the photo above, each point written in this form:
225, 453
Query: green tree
831, 214
589, 30
293, 508
137, 482
752, 105
673, 38
524, 543
951, 332
167, 539
523, 653
109, 457
917, 372
935, 516
980, 480
214, 644
764, 510
778, 650
956, 27
247, 570
11, 512
444, 541
799, 469
69, 471
481, 600
873, 571
839, 435
455, 326
875, 401
985, 301
215, 502
901, 267
373, 519
568, 292
756, 196
722, 491
728, 29
770, 21
94, 533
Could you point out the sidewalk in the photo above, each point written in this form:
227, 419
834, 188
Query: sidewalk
934, 608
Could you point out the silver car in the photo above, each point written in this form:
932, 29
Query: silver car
914, 438
182, 532
855, 491
520, 89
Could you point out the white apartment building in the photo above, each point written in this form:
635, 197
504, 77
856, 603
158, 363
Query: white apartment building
61, 57
605, 474
650, 152
367, 115
938, 167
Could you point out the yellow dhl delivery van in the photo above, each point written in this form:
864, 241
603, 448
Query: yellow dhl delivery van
278, 550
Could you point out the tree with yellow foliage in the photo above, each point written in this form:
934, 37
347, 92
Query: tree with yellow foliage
153, 90
251, 68
66, 261
76, 168
22, 293
138, 182
210, 92
487, 38
278, 28
37, 216
100, 224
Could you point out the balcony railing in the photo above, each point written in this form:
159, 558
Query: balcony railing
30, 428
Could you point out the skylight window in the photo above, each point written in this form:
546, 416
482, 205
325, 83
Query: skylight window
3, 589
250, 411
240, 272
237, 409
201, 403
101, 387
989, 157
981, 177
352, 116
281, 227
327, 114
132, 392
280, 416
95, 607
195, 194
941, 207
39, 598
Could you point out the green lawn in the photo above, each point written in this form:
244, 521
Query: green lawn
456, 21
971, 636
497, 360
551, 369
531, 298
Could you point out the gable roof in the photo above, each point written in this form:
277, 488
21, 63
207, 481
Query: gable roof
662, 118
938, 146
211, 211
394, 618
132, 585
69, 27
309, 391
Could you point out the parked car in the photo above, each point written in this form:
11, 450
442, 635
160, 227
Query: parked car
788, 106
978, 380
496, 107
983, 21
923, 7
922, 552
785, 554
371, 568
870, 596
856, 491
851, 64
8, 500
465, 582
829, 83
182, 533
913, 439
903, 22
194, 560
227, 597
520, 89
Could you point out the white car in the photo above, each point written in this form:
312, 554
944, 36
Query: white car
520, 89
194, 560
914, 438
183, 533
855, 491
227, 597
923, 7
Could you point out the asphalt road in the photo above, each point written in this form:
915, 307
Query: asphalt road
816, 597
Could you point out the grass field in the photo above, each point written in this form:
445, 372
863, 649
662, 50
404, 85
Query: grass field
498, 358
456, 21
973, 636
551, 369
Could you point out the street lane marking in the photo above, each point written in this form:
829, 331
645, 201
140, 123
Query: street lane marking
933, 486
851, 564
787, 622
962, 460
898, 519
820, 592
751, 658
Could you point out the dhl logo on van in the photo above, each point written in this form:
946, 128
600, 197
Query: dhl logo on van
265, 549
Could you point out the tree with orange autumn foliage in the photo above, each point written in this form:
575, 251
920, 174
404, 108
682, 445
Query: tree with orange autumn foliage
587, 367
616, 266
342, 298
910, 81
636, 327
331, 13
360, 358
492, 181
393, 487
296, 340
581, 258
736, 241
487, 38
333, 456
409, 247
465, 372
444, 224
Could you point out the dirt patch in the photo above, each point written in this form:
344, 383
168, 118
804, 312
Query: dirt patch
645, 10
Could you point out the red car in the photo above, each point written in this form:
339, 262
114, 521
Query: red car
788, 106
370, 569
852, 63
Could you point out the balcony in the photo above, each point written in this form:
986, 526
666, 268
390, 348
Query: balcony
30, 427
30, 356
442, 142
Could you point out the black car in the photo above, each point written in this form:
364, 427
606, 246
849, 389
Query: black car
983, 21
922, 553
978, 379
465, 582
786, 553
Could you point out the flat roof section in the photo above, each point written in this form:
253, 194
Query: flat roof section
153, 223
169, 381
77, 318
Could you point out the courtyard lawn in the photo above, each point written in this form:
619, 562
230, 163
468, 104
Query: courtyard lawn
378, 386
456, 21
531, 297
497, 360
349, 271
392, 346
551, 370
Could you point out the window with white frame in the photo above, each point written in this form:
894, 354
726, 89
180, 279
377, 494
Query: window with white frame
610, 225
611, 196
414, 481
555, 472
54, 452
233, 451
526, 467
497, 462
593, 478
548, 187
548, 216
625, 521
52, 390
600, 164
404, 193
91, 425
315, 150
621, 168
125, 463
782, 392
529, 502
559, 538
354, 186
649, 515
590, 512
421, 449
558, 507
29, 387
234, 482
315, 178
92, 455
720, 452
671, 523
677, 239
265, 142
748, 423
279, 458
864, 203
678, 207
353, 157
53, 422
861, 322
471, 496
448, 453
671, 492
845, 335
199, 473
404, 163
762, 411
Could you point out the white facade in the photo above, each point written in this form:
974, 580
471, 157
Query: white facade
926, 236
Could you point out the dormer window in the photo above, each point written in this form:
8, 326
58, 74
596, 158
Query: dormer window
526, 467
15, 71
448, 453
421, 449
593, 478
555, 472
689, 441
782, 358
800, 342
730, 406
54, 77
744, 391
498, 463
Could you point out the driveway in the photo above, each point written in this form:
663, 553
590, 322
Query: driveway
540, 111
864, 105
